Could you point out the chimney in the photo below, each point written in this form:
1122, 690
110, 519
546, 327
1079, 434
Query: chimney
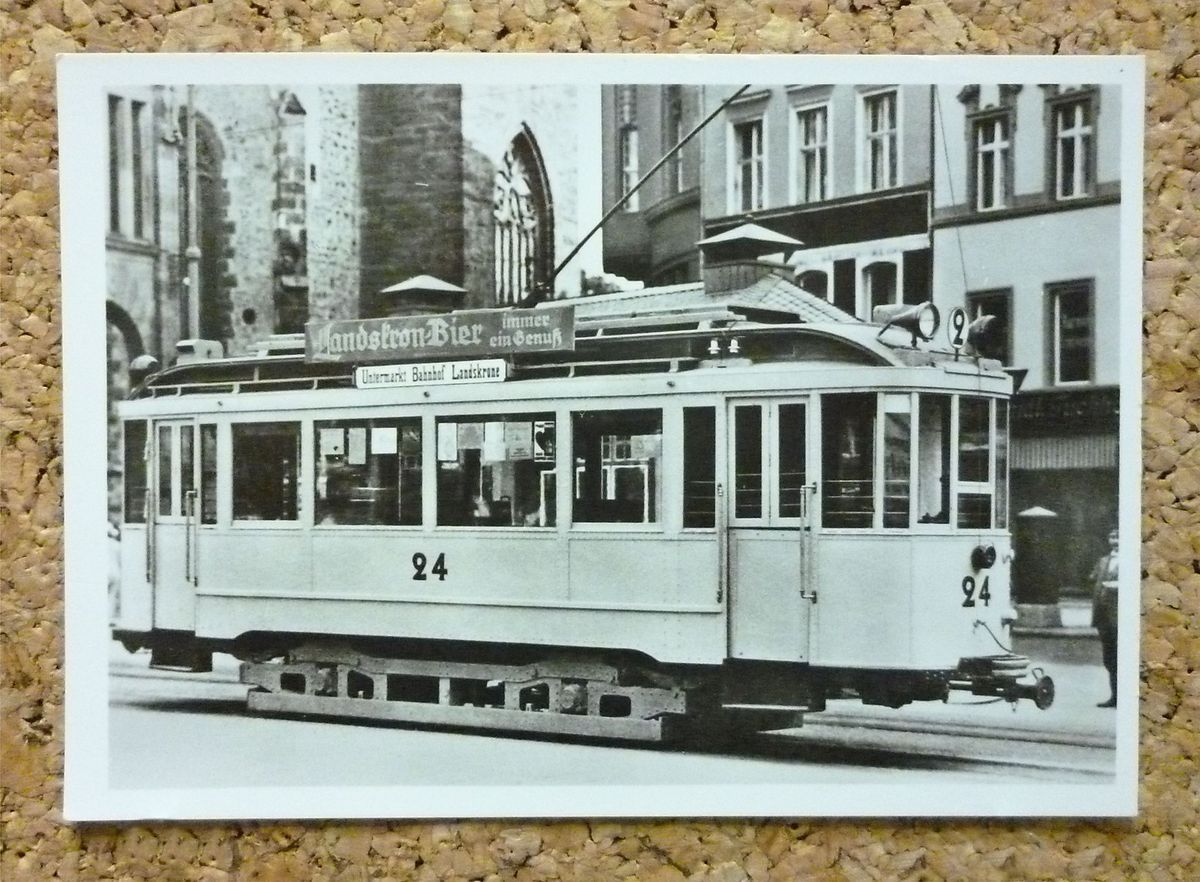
419, 295
732, 260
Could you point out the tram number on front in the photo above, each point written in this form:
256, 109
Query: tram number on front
957, 327
969, 595
420, 561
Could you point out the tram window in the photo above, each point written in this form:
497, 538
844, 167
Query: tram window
187, 467
974, 460
699, 466
897, 459
973, 446
163, 473
748, 461
933, 460
367, 472
791, 442
848, 445
135, 472
617, 466
496, 471
1001, 465
208, 474
266, 470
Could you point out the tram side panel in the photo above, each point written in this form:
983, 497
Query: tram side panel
959, 609
604, 590
910, 602
863, 610
134, 609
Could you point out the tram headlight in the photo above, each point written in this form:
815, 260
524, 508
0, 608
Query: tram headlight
983, 557
921, 320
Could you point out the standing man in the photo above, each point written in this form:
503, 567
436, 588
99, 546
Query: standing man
1104, 613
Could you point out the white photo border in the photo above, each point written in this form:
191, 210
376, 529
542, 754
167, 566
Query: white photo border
88, 794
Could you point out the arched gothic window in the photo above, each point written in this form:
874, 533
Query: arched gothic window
524, 222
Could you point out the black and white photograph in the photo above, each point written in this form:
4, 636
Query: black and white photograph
462, 436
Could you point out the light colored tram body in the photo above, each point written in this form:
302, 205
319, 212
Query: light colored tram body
799, 585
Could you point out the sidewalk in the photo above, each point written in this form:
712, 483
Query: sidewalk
1072, 719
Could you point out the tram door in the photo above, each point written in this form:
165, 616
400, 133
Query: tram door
175, 534
769, 533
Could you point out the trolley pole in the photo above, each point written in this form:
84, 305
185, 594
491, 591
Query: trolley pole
537, 296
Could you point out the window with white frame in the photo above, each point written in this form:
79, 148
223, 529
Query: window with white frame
812, 154
747, 171
1071, 325
880, 141
627, 144
992, 158
1073, 127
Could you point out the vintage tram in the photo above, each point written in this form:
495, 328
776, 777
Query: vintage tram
689, 517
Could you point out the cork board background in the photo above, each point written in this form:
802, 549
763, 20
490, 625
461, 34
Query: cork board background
1162, 844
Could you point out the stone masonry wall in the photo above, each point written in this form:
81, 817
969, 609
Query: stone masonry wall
411, 181
333, 191
246, 121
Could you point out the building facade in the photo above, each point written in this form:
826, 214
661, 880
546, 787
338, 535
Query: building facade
845, 169
238, 212
1026, 217
653, 237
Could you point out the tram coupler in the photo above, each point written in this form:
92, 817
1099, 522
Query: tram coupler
998, 676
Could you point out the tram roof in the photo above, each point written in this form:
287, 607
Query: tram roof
666, 328
772, 292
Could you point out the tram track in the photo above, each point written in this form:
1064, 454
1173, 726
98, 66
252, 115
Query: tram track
824, 739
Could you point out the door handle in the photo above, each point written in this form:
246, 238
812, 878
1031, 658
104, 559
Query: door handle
148, 520
191, 538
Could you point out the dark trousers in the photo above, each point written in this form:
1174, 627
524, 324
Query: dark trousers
1108, 648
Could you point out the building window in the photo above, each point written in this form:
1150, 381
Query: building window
116, 138
880, 141
880, 288
1072, 123
672, 134
997, 342
992, 181
496, 471
812, 154
128, 205
618, 466
137, 122
815, 282
524, 231
747, 171
1070, 332
266, 471
368, 472
627, 145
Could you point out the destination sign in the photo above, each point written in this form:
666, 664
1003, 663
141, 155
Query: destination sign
433, 373
480, 332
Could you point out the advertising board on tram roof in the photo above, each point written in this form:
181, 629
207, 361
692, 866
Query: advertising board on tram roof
470, 333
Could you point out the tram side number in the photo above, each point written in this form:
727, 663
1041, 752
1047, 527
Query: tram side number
968, 589
420, 561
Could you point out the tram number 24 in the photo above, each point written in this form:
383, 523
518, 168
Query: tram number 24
969, 595
420, 561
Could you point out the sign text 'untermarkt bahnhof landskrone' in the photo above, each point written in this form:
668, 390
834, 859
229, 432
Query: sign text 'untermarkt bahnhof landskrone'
431, 373
481, 332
